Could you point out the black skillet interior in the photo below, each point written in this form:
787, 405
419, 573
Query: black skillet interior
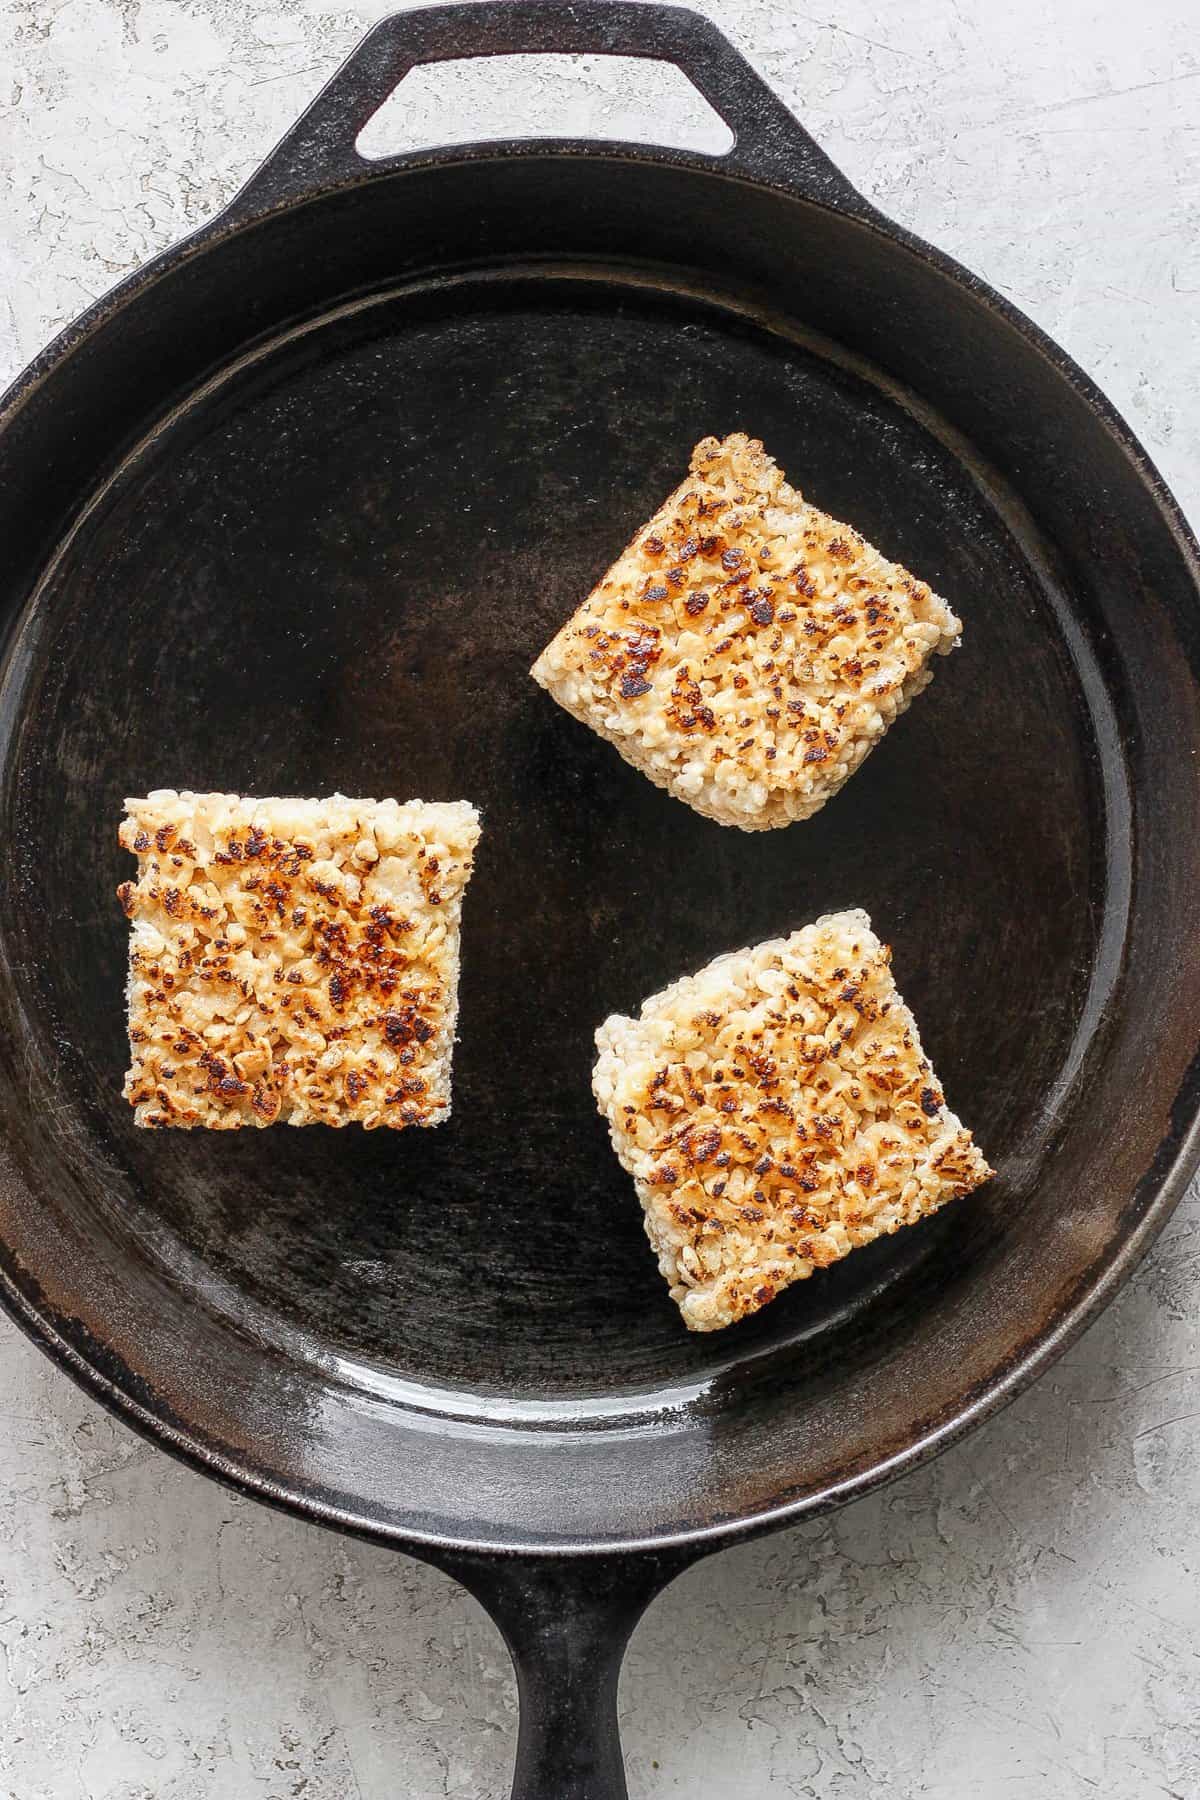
333, 476
332, 572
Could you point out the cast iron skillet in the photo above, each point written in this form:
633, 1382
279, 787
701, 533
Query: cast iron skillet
292, 510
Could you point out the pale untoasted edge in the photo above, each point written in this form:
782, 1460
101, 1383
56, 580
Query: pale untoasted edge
356, 865
730, 1265
753, 788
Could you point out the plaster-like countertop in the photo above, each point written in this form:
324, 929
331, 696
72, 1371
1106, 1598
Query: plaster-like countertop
1020, 1621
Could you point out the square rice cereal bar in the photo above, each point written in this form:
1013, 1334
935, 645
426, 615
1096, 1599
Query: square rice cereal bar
293, 961
746, 651
775, 1112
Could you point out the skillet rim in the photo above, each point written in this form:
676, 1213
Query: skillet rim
1181, 1145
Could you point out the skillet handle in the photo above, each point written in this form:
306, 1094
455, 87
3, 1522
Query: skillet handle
566, 1622
770, 144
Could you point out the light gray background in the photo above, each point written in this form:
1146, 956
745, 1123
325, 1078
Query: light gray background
1019, 1622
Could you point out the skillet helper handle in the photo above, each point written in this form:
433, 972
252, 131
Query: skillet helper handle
566, 1623
770, 144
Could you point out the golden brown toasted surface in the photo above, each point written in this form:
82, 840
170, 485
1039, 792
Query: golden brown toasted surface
746, 651
776, 1111
293, 960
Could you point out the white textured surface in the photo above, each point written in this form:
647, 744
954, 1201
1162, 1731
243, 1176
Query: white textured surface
1019, 1622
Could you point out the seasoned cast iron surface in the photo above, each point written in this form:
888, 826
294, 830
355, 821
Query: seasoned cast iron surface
332, 571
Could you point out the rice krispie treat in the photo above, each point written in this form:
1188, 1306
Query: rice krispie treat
293, 961
775, 1112
746, 651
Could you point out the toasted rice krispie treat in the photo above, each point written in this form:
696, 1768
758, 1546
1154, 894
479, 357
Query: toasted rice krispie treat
747, 651
776, 1111
293, 961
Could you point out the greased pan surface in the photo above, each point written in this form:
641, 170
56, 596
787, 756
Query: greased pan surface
294, 510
